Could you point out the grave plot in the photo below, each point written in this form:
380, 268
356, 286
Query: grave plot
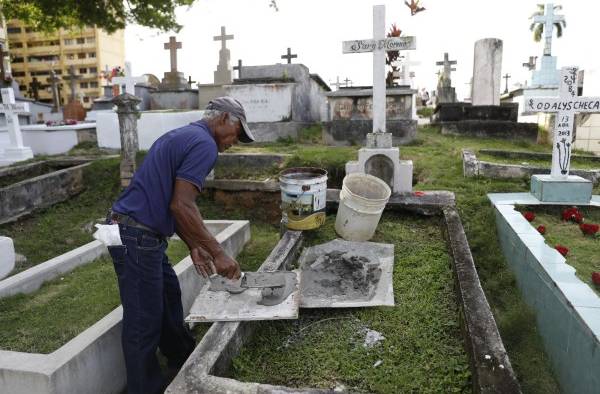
417, 343
50, 321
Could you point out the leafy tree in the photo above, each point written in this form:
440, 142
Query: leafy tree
392, 57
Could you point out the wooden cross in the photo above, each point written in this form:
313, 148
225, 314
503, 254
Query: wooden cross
223, 38
35, 86
72, 78
379, 45
239, 68
447, 67
11, 111
53, 80
173, 45
506, 77
289, 56
548, 19
566, 105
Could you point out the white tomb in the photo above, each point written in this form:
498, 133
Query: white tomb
15, 151
380, 158
128, 82
559, 186
7, 256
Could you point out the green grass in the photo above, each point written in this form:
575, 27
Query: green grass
423, 347
576, 163
583, 249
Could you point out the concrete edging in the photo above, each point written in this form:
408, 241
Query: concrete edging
92, 362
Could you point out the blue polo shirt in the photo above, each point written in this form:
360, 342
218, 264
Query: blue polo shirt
187, 153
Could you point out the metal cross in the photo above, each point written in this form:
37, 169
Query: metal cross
348, 81
289, 56
190, 82
239, 68
506, 77
173, 45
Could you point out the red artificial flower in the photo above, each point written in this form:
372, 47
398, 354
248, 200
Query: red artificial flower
529, 216
562, 250
573, 214
596, 278
541, 229
589, 229
419, 194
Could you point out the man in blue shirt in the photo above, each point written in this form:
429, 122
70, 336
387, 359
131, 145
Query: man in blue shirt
160, 201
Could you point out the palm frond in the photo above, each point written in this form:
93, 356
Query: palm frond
559, 30
537, 33
532, 26
558, 7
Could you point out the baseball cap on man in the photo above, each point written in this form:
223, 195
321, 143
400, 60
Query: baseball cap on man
235, 108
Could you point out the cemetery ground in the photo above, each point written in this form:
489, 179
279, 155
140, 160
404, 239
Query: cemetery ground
322, 345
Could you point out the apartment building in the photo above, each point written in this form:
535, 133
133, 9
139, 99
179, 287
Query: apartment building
90, 50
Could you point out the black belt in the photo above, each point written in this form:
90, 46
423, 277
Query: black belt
127, 220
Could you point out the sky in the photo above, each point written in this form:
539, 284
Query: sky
315, 29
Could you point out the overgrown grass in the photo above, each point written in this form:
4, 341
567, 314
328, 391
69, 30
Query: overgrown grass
423, 347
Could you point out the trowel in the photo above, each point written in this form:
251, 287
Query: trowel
276, 285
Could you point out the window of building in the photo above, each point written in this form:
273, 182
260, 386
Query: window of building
70, 56
13, 30
23, 88
16, 44
69, 41
93, 70
86, 99
81, 40
93, 85
90, 40
29, 30
84, 85
39, 73
18, 74
17, 60
92, 54
81, 56
83, 71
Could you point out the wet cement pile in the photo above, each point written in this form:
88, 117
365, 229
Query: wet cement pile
343, 275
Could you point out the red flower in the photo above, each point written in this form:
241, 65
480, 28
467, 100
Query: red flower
589, 229
596, 278
419, 194
573, 215
562, 250
529, 216
541, 229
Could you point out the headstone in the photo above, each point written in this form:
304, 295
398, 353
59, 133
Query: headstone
445, 92
7, 256
15, 151
487, 67
54, 80
379, 143
128, 115
173, 80
223, 74
127, 83
288, 56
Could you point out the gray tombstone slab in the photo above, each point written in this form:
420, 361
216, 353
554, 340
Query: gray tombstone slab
487, 72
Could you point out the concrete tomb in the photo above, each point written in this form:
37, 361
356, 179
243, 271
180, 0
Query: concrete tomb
380, 142
15, 151
127, 82
7, 256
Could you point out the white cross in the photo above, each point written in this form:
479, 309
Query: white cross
548, 19
405, 74
379, 45
11, 111
128, 80
566, 105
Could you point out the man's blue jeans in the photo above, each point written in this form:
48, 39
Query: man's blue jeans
152, 310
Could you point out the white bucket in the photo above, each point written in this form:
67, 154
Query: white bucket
362, 200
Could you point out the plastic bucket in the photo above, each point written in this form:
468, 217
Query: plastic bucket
303, 197
362, 200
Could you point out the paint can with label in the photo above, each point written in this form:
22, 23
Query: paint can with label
303, 197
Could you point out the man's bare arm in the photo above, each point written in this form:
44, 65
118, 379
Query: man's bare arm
194, 233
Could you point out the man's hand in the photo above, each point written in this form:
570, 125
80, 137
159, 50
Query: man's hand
226, 266
202, 262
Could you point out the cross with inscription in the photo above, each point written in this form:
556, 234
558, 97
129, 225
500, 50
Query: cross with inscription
54, 80
239, 68
548, 19
506, 77
15, 151
289, 56
379, 45
173, 45
128, 81
447, 68
566, 105
72, 78
35, 86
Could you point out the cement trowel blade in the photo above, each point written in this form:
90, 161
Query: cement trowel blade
261, 280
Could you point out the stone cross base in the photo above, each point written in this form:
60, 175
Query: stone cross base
74, 110
173, 80
385, 164
15, 154
572, 189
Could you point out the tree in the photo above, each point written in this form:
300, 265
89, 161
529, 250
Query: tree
538, 27
110, 15
392, 57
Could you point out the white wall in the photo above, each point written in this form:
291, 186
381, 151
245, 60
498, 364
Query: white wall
151, 125
588, 134
45, 140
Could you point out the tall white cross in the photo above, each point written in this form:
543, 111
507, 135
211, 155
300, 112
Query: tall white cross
379, 45
548, 19
566, 105
11, 110
128, 80
405, 74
